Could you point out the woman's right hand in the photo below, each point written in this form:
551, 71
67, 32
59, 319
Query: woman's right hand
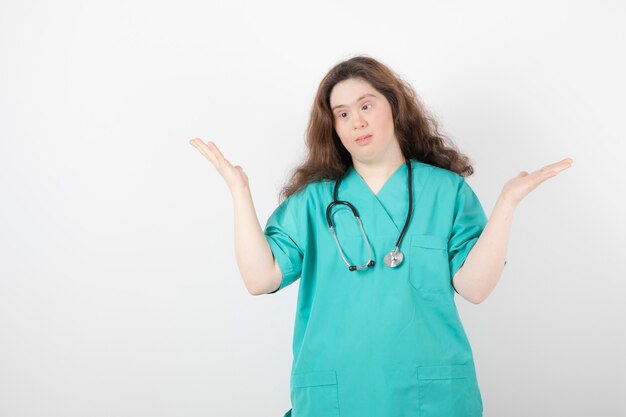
233, 175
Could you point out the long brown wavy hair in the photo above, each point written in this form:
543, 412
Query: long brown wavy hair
415, 128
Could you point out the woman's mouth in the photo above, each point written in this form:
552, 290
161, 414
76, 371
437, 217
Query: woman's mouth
364, 139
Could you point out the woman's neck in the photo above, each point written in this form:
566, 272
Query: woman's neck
376, 174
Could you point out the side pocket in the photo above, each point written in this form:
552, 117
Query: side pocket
314, 394
428, 263
448, 390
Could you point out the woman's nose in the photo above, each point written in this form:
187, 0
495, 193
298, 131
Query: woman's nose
359, 121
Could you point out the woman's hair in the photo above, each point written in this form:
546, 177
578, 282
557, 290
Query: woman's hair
415, 129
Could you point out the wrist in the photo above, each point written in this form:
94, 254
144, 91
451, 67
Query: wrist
506, 201
239, 191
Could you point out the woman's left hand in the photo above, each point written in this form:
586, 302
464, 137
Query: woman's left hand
519, 187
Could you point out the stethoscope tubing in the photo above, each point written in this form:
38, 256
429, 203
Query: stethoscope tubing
336, 201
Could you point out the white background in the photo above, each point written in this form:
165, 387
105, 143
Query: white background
119, 291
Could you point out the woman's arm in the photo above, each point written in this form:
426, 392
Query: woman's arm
257, 266
482, 268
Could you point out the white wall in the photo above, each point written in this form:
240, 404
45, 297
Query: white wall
119, 292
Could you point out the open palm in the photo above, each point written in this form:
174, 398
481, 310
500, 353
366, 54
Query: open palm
232, 174
519, 187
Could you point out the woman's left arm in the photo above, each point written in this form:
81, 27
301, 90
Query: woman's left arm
482, 268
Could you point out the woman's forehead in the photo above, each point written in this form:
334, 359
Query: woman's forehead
349, 91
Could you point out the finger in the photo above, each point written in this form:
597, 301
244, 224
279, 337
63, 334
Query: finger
551, 170
540, 176
212, 153
559, 166
530, 181
204, 150
563, 165
216, 151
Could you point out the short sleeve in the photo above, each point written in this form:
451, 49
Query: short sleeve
282, 234
468, 224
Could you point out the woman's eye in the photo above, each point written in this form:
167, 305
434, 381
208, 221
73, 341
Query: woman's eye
342, 115
366, 106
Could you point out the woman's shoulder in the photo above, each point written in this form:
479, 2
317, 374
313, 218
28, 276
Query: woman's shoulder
437, 174
310, 193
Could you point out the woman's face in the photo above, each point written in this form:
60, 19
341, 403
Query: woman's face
363, 120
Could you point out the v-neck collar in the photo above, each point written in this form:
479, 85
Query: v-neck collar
353, 171
391, 204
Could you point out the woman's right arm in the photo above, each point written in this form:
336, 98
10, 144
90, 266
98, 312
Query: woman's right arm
259, 270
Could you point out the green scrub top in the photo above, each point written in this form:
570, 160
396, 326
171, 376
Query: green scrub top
380, 342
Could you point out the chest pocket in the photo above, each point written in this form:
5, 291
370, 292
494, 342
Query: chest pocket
428, 263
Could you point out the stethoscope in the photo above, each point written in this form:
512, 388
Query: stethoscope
393, 258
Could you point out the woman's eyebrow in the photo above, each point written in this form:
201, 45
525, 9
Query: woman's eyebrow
356, 101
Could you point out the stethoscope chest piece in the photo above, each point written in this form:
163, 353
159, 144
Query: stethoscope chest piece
394, 258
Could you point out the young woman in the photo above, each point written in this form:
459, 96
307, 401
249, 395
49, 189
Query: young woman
382, 229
